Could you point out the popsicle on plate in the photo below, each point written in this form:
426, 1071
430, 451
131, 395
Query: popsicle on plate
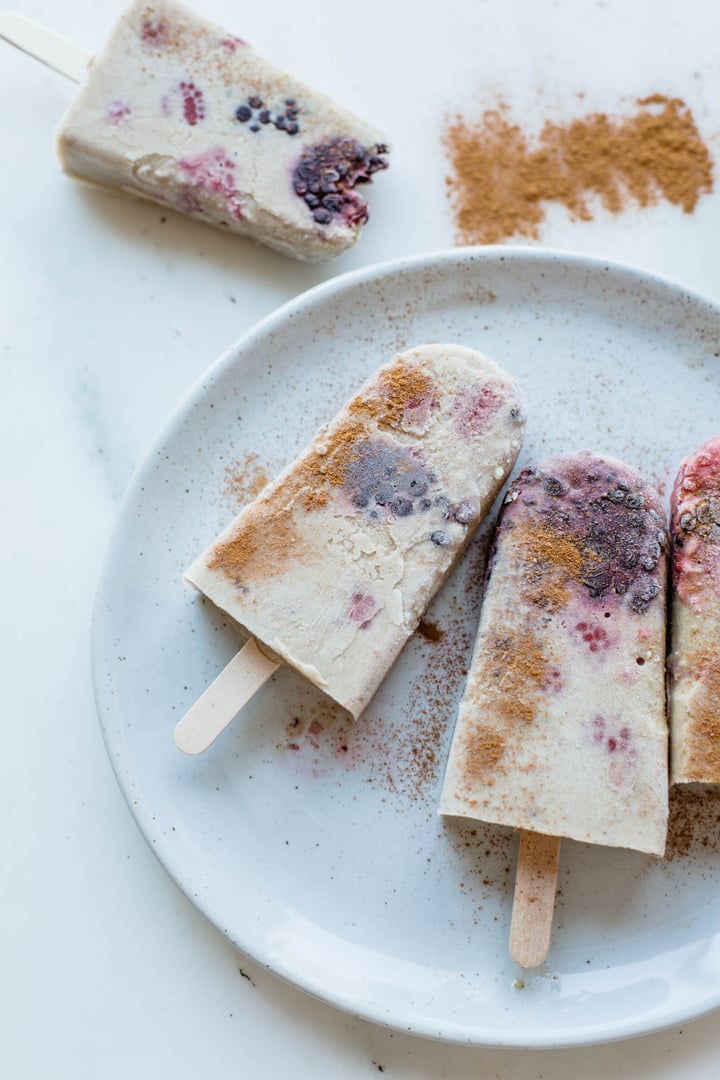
331, 567
562, 728
181, 112
695, 657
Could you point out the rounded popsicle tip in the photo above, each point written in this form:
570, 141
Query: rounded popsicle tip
698, 476
597, 522
695, 526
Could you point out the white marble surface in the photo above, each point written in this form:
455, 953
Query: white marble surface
108, 315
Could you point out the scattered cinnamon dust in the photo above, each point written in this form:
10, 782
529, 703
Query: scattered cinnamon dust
502, 183
318, 470
266, 534
694, 822
245, 479
703, 759
399, 388
264, 540
404, 754
515, 670
550, 560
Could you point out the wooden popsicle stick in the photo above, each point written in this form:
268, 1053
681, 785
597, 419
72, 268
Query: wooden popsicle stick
53, 49
223, 699
534, 900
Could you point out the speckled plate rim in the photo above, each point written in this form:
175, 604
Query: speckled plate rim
544, 1037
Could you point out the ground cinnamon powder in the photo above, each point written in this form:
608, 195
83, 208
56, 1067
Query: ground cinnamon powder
703, 759
550, 561
400, 387
516, 671
244, 480
267, 534
502, 183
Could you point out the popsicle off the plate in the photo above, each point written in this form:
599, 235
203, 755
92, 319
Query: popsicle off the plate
179, 111
330, 568
561, 731
694, 666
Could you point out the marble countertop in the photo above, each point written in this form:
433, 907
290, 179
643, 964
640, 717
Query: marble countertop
110, 310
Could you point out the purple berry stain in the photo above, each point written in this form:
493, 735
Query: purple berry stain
595, 637
212, 170
118, 112
553, 681
384, 478
193, 103
602, 513
475, 410
232, 43
155, 34
363, 608
621, 753
326, 175
619, 742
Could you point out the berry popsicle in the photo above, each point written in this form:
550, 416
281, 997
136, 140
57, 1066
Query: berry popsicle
180, 112
694, 681
561, 730
331, 567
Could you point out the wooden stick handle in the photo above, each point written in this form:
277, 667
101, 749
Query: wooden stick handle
223, 699
534, 901
57, 52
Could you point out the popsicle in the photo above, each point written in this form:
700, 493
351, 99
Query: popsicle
181, 112
694, 666
330, 568
562, 731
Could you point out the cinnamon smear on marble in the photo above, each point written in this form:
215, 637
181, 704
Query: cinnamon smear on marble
502, 182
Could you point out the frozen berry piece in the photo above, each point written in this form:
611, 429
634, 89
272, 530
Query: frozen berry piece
609, 522
475, 409
212, 171
156, 34
256, 109
193, 103
232, 42
363, 608
118, 112
387, 476
402, 506
333, 168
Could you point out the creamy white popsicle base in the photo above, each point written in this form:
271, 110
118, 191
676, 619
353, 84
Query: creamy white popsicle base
332, 566
178, 111
562, 726
695, 656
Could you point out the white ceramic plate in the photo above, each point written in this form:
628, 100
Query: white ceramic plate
314, 843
